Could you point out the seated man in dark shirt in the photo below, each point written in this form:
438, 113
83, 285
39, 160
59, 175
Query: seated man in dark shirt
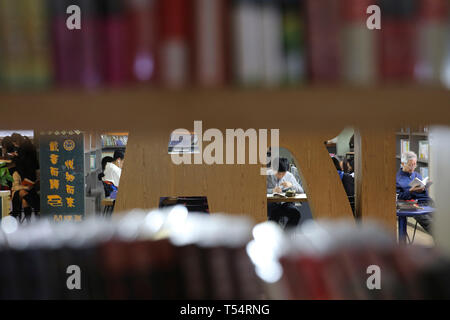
404, 177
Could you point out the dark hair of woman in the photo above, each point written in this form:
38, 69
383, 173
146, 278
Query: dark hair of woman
348, 165
336, 163
26, 161
105, 160
8, 145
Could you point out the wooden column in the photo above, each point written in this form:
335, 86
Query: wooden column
326, 194
375, 175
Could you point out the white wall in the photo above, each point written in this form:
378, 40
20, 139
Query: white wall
440, 175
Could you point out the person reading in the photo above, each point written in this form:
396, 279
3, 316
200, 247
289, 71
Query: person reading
25, 182
279, 181
405, 176
113, 170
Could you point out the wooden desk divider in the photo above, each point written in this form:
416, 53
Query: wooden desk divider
240, 189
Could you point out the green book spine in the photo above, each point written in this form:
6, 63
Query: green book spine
36, 31
13, 45
293, 41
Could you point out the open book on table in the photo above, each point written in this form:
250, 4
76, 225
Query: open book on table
279, 195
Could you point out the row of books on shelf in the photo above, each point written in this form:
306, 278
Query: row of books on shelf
338, 260
174, 254
129, 270
344, 275
175, 43
134, 258
114, 141
423, 151
419, 130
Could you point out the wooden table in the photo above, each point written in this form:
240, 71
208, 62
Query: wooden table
297, 198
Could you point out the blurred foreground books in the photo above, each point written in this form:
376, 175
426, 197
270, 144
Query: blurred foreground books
173, 254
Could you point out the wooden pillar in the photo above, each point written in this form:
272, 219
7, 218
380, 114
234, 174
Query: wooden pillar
375, 175
326, 194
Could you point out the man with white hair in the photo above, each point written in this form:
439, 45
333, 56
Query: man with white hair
404, 177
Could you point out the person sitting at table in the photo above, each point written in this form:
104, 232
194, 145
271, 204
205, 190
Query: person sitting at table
25, 182
9, 153
113, 170
106, 186
348, 166
9, 150
404, 177
279, 181
347, 178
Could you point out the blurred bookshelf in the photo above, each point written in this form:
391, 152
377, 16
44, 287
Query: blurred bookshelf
302, 42
112, 141
315, 57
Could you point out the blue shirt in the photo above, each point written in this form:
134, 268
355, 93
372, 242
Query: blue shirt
403, 180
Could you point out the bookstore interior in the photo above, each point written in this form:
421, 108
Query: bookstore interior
314, 203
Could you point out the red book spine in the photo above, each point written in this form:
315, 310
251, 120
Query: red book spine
292, 281
116, 45
193, 282
397, 51
143, 32
243, 272
434, 10
397, 47
174, 44
311, 269
113, 265
209, 42
65, 47
323, 40
77, 51
355, 10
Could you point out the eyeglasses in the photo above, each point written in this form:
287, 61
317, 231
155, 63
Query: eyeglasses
412, 165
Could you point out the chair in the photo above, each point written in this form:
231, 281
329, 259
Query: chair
192, 204
414, 234
107, 188
108, 206
109, 201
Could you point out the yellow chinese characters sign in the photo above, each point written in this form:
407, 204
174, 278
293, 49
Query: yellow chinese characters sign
62, 175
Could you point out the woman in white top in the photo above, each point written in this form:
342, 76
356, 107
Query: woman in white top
113, 169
